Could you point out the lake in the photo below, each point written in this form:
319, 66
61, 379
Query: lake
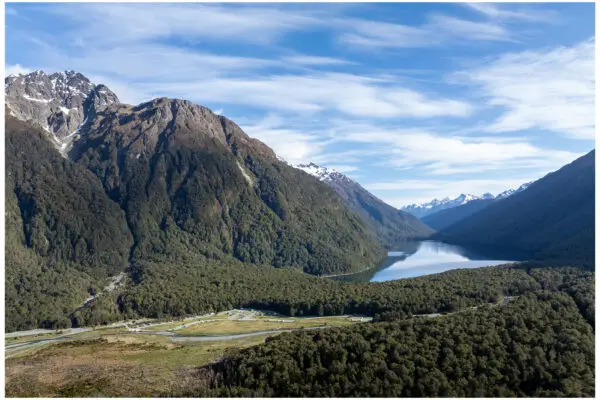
426, 257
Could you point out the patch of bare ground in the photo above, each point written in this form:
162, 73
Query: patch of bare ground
99, 368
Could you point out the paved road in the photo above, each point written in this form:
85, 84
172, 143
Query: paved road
14, 349
213, 338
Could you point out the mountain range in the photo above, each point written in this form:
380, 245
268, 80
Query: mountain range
198, 214
435, 205
554, 218
95, 187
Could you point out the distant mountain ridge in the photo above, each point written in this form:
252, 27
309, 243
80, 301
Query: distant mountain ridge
435, 205
389, 224
553, 218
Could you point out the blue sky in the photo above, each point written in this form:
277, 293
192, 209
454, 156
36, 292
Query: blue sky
414, 101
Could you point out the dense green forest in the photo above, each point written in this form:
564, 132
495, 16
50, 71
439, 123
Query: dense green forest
536, 345
183, 287
553, 218
63, 235
390, 225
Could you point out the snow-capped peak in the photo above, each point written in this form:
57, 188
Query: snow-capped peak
421, 210
510, 192
321, 173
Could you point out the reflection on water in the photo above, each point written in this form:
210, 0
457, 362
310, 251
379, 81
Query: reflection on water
424, 258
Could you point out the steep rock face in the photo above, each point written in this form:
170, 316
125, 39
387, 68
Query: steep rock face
389, 225
59, 103
168, 123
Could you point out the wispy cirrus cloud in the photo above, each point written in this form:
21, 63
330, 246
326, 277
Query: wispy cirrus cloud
135, 22
438, 30
551, 89
314, 60
504, 12
439, 154
295, 146
345, 93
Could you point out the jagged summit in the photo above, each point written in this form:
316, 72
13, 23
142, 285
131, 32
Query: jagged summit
435, 205
69, 106
510, 192
59, 103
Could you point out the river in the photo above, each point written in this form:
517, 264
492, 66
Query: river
428, 257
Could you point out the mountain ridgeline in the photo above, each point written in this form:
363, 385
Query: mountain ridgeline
449, 216
188, 179
389, 224
197, 214
552, 219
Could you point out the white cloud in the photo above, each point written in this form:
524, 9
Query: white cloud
436, 154
314, 60
349, 94
495, 11
384, 34
293, 146
142, 22
138, 62
438, 29
549, 89
15, 69
470, 30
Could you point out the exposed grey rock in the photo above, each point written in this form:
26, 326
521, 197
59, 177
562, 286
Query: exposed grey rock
59, 103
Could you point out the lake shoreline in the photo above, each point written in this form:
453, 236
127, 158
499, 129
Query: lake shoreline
423, 258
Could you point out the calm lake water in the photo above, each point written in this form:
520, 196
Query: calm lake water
424, 258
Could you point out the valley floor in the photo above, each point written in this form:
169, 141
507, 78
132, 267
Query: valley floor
139, 358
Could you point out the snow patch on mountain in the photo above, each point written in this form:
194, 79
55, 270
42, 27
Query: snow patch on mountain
510, 192
435, 205
322, 173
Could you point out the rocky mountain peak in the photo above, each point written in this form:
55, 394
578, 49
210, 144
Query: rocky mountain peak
164, 123
59, 103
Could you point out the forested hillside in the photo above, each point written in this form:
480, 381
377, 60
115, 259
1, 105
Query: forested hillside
63, 233
390, 225
187, 177
536, 345
553, 218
